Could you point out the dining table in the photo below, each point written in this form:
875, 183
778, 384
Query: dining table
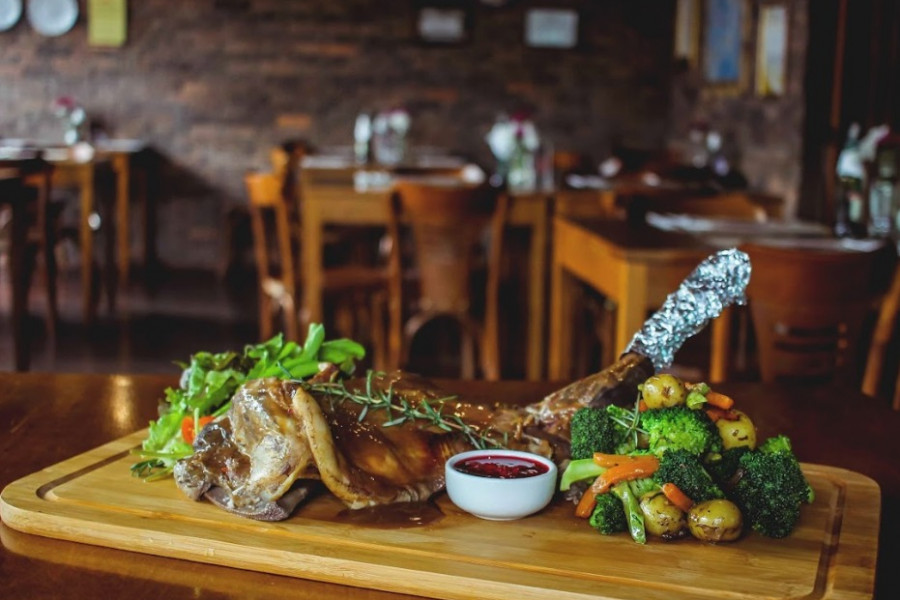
50, 417
78, 167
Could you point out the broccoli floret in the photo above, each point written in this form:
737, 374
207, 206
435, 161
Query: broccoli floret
592, 430
680, 428
781, 444
609, 515
778, 443
770, 489
686, 471
726, 465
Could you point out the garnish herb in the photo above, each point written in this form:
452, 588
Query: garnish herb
399, 410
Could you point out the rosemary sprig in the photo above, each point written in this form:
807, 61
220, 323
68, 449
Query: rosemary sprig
399, 410
629, 419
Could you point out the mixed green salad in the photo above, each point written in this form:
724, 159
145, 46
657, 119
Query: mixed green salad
209, 381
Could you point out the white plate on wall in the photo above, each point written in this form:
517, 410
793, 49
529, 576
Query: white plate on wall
52, 17
10, 13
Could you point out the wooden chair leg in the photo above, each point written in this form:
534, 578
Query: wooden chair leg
50, 284
897, 393
379, 338
291, 319
265, 317
467, 354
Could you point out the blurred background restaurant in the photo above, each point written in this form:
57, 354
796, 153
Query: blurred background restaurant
201, 175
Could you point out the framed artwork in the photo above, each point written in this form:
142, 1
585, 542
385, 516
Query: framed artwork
687, 31
771, 50
723, 42
551, 28
442, 24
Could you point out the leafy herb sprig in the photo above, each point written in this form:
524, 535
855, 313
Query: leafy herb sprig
399, 410
628, 419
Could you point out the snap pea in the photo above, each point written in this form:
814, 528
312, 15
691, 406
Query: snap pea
314, 338
337, 351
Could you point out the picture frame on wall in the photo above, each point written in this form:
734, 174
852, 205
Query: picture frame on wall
442, 23
771, 50
723, 38
551, 28
687, 32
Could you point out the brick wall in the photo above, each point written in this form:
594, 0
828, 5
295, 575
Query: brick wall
213, 84
765, 134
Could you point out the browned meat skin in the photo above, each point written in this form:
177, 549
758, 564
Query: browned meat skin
616, 384
276, 434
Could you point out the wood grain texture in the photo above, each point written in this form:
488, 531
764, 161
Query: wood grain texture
91, 498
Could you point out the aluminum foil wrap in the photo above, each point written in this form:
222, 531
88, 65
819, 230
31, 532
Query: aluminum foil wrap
716, 283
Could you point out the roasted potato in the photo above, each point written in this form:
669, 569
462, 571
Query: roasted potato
663, 390
715, 521
662, 518
737, 430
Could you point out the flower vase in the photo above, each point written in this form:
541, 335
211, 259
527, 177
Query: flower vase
522, 174
72, 134
389, 148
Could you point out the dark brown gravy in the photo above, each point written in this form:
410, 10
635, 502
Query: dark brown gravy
392, 516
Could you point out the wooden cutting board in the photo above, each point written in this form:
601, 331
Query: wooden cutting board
92, 498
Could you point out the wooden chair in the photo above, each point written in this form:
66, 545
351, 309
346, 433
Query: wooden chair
358, 292
879, 350
447, 224
808, 307
42, 230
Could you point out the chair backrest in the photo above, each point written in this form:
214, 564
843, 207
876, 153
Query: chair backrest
268, 205
884, 339
808, 306
447, 225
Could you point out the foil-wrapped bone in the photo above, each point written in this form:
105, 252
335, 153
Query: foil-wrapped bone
717, 282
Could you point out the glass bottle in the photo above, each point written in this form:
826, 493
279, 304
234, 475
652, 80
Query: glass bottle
850, 204
882, 196
362, 136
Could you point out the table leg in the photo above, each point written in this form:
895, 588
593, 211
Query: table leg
562, 300
631, 309
123, 185
18, 235
720, 353
537, 260
86, 238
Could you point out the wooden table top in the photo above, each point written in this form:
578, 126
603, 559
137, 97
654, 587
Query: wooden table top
48, 418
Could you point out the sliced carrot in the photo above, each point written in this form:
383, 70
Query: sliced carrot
677, 497
587, 503
639, 467
610, 460
717, 414
719, 400
614, 460
187, 427
642, 406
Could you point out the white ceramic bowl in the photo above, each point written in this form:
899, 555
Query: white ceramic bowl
500, 499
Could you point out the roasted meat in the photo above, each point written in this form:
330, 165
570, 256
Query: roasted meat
280, 439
